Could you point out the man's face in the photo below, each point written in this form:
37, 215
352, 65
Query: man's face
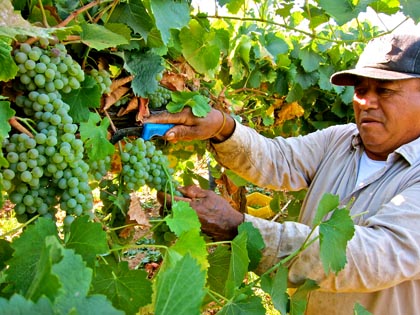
387, 114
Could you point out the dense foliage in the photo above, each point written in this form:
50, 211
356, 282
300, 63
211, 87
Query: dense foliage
75, 71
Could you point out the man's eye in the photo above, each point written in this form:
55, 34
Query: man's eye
384, 91
360, 91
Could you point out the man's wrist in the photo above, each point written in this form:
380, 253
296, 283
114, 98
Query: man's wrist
226, 130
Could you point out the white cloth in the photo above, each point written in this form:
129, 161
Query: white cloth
367, 167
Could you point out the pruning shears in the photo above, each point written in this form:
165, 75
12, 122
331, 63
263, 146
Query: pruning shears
146, 131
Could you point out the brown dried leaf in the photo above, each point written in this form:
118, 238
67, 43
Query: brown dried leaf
102, 63
114, 96
174, 81
187, 70
136, 213
132, 106
120, 82
143, 109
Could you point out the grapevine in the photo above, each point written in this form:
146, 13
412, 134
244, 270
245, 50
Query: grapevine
143, 164
103, 78
159, 98
46, 169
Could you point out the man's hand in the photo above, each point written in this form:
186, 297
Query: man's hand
218, 218
216, 125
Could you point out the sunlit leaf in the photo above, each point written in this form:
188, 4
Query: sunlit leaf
170, 15
334, 235
328, 203
127, 289
184, 218
19, 305
276, 286
238, 264
88, 239
180, 288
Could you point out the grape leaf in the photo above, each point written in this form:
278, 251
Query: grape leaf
180, 288
135, 15
386, 6
44, 281
199, 104
334, 235
245, 302
343, 12
276, 45
88, 96
233, 6
238, 264
88, 239
193, 243
28, 249
12, 23
310, 59
9, 69
411, 9
95, 137
255, 244
219, 261
120, 28
170, 15
199, 49
184, 218
99, 37
5, 114
298, 300
18, 305
6, 252
145, 67
360, 310
328, 203
76, 279
276, 287
127, 289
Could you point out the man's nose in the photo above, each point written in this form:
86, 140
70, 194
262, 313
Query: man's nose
369, 100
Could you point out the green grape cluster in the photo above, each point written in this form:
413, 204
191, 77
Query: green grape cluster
99, 168
160, 98
46, 169
103, 78
143, 164
163, 235
50, 68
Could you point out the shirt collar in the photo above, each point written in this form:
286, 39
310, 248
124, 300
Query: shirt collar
409, 151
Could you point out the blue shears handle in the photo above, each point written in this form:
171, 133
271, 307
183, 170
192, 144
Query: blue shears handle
151, 130
146, 132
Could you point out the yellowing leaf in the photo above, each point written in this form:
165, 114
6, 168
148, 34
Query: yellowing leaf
289, 111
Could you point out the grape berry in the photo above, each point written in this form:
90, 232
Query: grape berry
47, 169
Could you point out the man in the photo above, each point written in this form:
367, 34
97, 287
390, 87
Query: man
375, 163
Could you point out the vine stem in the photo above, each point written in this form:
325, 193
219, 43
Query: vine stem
74, 14
44, 16
138, 246
21, 226
216, 296
308, 242
19, 127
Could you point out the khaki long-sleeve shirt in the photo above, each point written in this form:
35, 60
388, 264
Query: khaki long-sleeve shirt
383, 268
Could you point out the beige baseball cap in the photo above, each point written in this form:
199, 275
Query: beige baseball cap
389, 57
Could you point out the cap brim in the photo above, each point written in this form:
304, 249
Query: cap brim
349, 77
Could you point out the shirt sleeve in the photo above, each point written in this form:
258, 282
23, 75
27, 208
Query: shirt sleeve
385, 248
279, 163
383, 252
